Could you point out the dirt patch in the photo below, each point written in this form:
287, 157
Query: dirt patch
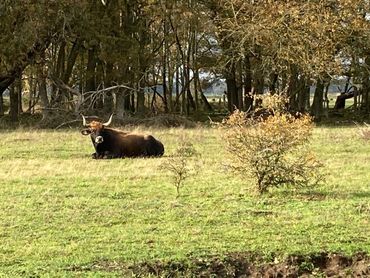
243, 265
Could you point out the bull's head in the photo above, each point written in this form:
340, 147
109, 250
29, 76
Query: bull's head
95, 129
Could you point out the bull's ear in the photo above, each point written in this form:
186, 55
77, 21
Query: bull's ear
85, 131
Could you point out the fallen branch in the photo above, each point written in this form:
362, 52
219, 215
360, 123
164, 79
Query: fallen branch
66, 123
61, 85
89, 96
110, 89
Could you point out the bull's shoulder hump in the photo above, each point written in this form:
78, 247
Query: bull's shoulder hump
143, 136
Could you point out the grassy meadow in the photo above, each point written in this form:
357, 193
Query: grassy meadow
62, 212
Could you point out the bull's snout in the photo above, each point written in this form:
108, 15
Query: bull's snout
99, 139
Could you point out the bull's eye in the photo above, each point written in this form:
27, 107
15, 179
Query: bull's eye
99, 139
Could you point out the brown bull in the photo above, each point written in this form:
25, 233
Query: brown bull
113, 143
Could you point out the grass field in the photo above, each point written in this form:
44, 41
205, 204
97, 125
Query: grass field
61, 211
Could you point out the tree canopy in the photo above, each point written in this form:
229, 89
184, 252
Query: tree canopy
72, 55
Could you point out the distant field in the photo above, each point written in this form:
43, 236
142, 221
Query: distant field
219, 101
61, 211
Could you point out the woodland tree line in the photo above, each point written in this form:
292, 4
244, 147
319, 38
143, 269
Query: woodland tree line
95, 56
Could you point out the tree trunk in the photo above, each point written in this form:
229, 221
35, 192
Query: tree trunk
183, 94
206, 105
19, 92
108, 97
71, 61
90, 84
196, 90
273, 82
58, 73
14, 101
1, 104
258, 79
120, 103
41, 81
303, 97
123, 96
170, 86
190, 100
90, 70
72, 57
177, 88
248, 98
232, 92
259, 83
340, 102
140, 102
293, 89
366, 88
31, 97
307, 98
194, 56
317, 105
99, 79
164, 68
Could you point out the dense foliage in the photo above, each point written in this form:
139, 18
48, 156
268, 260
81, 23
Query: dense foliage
69, 56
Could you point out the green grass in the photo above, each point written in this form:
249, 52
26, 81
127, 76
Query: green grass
61, 210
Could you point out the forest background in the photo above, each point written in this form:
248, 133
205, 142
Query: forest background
62, 58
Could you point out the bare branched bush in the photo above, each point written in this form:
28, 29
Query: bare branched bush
272, 150
179, 164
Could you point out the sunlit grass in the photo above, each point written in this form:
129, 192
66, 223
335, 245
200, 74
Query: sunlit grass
59, 208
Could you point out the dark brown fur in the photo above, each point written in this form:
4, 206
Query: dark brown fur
118, 144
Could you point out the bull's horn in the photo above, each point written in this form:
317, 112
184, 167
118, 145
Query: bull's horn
83, 120
109, 121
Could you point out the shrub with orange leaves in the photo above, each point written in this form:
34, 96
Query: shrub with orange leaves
273, 150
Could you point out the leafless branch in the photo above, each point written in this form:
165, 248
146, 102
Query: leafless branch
87, 97
102, 91
61, 85
67, 123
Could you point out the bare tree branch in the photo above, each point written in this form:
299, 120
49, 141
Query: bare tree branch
61, 85
87, 97
67, 123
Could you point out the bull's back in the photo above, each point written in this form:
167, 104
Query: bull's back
134, 145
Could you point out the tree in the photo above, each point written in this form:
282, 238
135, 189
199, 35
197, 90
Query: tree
87, 46
292, 40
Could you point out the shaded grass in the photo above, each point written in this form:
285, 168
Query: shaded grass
61, 209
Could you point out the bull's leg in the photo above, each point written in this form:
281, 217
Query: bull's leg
97, 156
104, 155
108, 155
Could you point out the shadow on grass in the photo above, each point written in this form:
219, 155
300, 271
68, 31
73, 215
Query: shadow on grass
319, 195
360, 195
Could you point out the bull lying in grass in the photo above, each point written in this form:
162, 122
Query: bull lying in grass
113, 143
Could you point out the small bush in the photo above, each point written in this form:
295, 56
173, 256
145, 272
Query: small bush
178, 164
272, 150
364, 131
